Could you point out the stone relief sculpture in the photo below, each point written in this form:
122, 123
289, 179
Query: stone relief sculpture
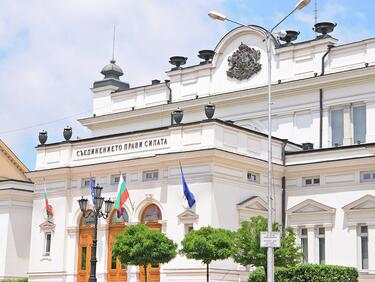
244, 62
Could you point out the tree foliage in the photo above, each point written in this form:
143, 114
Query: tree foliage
208, 244
140, 245
247, 250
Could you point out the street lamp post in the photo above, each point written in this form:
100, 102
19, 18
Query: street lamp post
96, 213
268, 34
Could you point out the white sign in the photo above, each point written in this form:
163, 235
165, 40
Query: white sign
270, 239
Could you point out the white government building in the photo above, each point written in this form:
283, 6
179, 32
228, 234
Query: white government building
323, 97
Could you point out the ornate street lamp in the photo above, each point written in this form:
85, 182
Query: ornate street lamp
268, 35
96, 213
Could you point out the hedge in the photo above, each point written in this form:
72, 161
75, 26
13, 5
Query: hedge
309, 273
15, 280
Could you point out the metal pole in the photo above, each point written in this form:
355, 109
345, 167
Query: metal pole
93, 250
270, 255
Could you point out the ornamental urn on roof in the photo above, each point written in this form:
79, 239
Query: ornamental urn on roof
112, 70
244, 62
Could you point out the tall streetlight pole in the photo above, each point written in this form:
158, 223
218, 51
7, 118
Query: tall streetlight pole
268, 34
96, 213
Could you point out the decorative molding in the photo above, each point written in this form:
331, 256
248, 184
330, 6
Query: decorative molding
251, 207
188, 217
360, 211
244, 62
47, 226
311, 213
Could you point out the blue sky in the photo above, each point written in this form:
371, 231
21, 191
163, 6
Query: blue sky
51, 52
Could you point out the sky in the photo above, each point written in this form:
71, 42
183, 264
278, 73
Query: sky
52, 51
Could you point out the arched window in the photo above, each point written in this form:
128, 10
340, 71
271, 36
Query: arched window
124, 217
151, 213
88, 219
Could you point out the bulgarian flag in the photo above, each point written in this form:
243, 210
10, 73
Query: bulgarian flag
122, 196
48, 207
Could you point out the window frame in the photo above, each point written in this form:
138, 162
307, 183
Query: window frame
361, 236
321, 237
115, 176
331, 110
47, 243
254, 174
304, 238
371, 179
352, 122
83, 182
312, 178
153, 178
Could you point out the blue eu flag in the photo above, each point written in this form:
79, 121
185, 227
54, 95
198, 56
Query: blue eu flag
189, 196
92, 185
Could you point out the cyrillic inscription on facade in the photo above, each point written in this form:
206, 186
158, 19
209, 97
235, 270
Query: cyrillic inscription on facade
126, 147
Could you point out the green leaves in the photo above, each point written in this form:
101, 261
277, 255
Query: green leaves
208, 244
247, 250
139, 245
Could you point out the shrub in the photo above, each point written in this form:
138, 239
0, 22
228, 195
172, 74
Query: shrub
309, 273
15, 280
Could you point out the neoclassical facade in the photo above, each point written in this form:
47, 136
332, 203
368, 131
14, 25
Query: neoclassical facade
16, 201
323, 159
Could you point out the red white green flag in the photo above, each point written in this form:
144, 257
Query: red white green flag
122, 195
48, 207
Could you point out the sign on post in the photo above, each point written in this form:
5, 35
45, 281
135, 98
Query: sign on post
270, 239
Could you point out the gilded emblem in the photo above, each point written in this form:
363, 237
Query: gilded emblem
244, 62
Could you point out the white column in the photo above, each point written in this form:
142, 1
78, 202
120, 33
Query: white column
311, 244
347, 127
101, 252
370, 125
371, 247
329, 245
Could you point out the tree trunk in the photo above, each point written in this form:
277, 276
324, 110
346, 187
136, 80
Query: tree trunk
145, 268
265, 273
208, 273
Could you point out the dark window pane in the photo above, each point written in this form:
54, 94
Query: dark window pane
337, 125
48, 244
364, 229
83, 258
364, 252
304, 231
308, 181
304, 246
152, 213
122, 219
316, 180
90, 219
359, 124
321, 231
322, 251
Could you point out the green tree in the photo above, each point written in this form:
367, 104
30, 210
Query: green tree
208, 244
247, 250
140, 245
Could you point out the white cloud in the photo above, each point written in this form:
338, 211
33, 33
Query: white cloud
52, 51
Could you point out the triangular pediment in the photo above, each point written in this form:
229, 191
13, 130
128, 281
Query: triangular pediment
253, 203
47, 226
310, 206
188, 216
364, 203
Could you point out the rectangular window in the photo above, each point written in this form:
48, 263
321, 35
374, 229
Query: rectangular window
115, 179
311, 181
304, 245
253, 177
150, 175
188, 228
86, 182
47, 247
363, 234
83, 258
367, 176
359, 124
337, 126
322, 245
